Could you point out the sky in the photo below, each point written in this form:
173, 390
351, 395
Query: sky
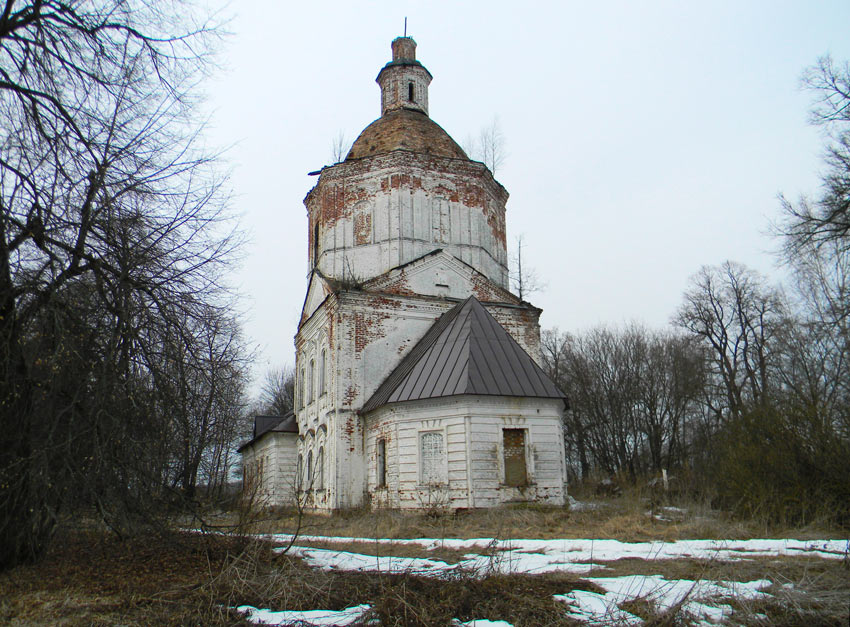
643, 140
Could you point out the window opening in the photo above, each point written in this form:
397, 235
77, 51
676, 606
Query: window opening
410, 91
310, 381
298, 472
322, 366
309, 469
316, 244
320, 469
382, 463
432, 457
301, 390
515, 468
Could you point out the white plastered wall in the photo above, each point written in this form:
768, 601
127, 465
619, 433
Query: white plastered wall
472, 428
271, 461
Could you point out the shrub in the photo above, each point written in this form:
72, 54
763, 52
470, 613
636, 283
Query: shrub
784, 466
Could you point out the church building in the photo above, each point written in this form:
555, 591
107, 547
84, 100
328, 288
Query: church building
418, 382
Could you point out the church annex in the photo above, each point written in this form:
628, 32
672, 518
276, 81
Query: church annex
417, 376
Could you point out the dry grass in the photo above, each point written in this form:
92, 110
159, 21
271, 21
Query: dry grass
91, 578
627, 518
95, 580
177, 579
390, 549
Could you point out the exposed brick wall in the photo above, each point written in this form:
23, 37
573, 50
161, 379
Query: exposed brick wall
407, 204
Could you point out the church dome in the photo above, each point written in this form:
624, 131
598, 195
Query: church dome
405, 129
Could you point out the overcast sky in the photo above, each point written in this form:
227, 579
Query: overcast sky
644, 139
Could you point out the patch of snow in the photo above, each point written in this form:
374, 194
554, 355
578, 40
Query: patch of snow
309, 618
582, 506
329, 559
543, 556
599, 608
710, 613
668, 514
473, 564
699, 600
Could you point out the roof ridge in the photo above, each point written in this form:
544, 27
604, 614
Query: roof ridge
466, 351
411, 359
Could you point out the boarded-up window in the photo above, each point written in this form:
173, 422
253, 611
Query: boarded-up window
432, 457
382, 463
514, 444
362, 224
441, 220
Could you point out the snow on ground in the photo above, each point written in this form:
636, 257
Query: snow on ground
583, 506
703, 601
312, 617
544, 556
700, 600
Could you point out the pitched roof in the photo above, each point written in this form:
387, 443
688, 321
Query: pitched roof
272, 424
466, 351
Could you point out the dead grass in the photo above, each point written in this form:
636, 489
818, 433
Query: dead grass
805, 590
90, 578
628, 518
390, 549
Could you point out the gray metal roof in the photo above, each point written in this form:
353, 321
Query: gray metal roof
466, 351
272, 424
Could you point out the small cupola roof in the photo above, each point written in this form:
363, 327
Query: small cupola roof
404, 81
404, 123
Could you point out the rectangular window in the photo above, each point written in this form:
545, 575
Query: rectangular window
432, 453
514, 445
382, 463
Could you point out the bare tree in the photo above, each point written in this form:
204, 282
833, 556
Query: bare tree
826, 219
488, 147
277, 395
555, 350
740, 319
339, 147
524, 279
632, 393
113, 239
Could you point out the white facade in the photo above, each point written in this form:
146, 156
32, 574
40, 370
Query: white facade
401, 232
269, 470
470, 468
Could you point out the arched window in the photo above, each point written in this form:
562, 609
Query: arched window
309, 469
320, 469
322, 365
310, 381
301, 390
382, 463
299, 469
316, 244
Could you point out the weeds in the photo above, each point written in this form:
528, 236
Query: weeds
176, 578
